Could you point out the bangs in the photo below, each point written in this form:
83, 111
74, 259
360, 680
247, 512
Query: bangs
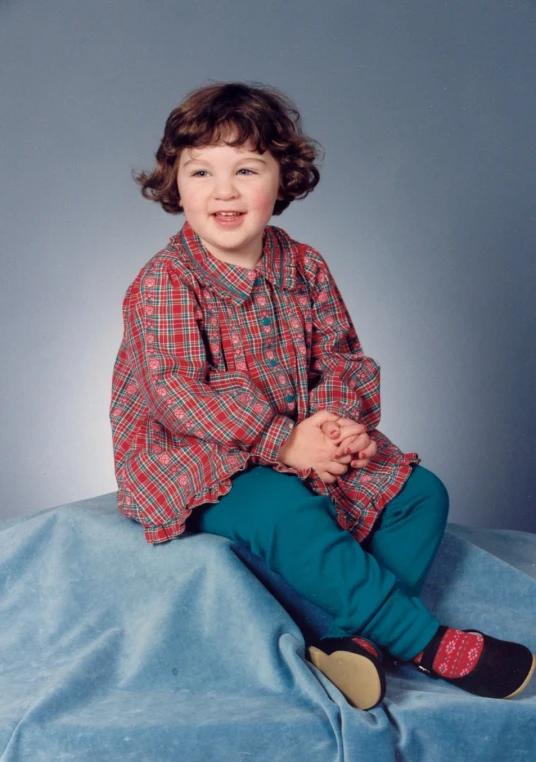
235, 131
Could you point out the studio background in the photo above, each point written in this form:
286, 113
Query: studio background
425, 213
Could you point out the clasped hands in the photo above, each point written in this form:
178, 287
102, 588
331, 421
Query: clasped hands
329, 444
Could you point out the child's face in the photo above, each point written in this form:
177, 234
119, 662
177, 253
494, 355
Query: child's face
234, 179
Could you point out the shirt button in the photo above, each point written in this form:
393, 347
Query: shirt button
273, 363
290, 398
266, 321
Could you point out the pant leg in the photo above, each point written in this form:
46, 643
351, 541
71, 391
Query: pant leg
410, 529
295, 532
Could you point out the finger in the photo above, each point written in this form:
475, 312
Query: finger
360, 463
345, 459
352, 428
360, 443
331, 429
336, 468
348, 422
323, 416
354, 445
342, 447
369, 451
348, 432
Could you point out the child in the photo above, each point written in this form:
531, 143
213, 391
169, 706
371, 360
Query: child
243, 405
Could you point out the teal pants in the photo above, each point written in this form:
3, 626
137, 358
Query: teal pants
370, 589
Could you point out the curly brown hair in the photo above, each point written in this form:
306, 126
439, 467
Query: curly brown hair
211, 115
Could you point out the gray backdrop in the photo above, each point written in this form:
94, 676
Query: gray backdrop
425, 211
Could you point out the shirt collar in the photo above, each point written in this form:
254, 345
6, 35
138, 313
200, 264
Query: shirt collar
277, 264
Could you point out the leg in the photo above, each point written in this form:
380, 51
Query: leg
405, 541
410, 529
296, 534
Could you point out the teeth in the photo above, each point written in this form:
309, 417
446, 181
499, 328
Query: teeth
228, 214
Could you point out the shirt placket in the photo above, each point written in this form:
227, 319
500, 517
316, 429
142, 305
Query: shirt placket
280, 358
231, 339
293, 330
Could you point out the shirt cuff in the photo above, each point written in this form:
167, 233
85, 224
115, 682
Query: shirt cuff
279, 430
272, 438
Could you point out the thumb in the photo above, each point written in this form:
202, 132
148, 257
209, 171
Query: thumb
331, 429
323, 416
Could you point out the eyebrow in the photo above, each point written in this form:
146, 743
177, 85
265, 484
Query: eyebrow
205, 161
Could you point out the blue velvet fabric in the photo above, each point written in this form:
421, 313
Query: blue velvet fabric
112, 649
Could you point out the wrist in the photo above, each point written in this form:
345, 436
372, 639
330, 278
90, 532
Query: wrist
286, 453
280, 457
282, 453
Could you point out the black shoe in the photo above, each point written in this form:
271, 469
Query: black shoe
503, 669
355, 671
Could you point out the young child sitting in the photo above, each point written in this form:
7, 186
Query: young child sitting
243, 405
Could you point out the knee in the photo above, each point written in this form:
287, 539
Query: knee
435, 494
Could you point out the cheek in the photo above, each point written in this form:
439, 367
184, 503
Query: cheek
264, 199
190, 199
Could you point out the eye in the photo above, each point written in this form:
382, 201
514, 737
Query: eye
248, 171
200, 173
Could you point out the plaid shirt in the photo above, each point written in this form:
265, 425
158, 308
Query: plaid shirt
217, 365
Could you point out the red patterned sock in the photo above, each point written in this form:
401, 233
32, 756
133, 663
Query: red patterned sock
457, 653
367, 646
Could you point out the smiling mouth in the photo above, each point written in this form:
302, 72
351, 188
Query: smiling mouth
227, 215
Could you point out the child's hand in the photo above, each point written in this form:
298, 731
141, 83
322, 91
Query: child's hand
351, 438
309, 447
346, 434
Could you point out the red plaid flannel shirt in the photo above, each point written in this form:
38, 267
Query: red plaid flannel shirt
216, 366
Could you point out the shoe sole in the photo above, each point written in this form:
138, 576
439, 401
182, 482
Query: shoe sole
526, 681
355, 676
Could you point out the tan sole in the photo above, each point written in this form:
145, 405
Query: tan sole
355, 676
526, 680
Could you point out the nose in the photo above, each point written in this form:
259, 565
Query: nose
225, 187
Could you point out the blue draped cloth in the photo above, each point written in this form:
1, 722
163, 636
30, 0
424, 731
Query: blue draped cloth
115, 650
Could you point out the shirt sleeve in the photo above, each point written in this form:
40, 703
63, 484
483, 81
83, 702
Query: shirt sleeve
168, 358
343, 379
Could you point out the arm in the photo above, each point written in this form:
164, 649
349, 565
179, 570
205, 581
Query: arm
349, 382
169, 360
